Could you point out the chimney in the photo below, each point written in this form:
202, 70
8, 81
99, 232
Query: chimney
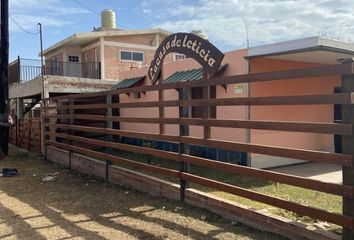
108, 19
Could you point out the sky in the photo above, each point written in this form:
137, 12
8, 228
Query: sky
226, 22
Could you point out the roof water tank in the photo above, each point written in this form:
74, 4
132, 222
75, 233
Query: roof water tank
200, 34
108, 19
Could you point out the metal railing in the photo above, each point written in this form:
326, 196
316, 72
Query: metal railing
23, 70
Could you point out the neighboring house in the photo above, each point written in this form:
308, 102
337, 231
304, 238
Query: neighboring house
85, 62
103, 53
302, 53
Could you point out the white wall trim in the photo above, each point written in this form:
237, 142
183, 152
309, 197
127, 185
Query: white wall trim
90, 46
46, 57
65, 57
129, 45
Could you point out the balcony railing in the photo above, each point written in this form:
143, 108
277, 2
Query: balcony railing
23, 70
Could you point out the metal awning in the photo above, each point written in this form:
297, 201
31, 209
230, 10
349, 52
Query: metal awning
184, 76
189, 75
128, 82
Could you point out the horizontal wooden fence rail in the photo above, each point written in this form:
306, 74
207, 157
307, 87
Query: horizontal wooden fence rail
336, 189
273, 201
346, 68
338, 98
310, 127
310, 155
90, 124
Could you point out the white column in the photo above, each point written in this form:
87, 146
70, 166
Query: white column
65, 59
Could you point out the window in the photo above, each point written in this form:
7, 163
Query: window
179, 56
132, 56
74, 59
197, 93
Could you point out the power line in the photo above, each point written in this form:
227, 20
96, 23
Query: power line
88, 8
19, 26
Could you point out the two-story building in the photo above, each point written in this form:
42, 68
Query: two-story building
103, 52
84, 62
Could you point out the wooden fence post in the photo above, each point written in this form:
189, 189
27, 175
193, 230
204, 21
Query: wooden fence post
109, 138
116, 112
161, 99
183, 148
348, 148
206, 109
71, 122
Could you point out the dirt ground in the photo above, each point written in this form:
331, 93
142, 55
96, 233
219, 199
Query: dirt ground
75, 206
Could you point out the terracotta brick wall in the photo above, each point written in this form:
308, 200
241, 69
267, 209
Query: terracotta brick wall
144, 39
91, 65
113, 64
91, 55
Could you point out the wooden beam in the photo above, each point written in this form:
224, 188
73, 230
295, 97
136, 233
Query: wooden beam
294, 75
317, 127
332, 188
347, 148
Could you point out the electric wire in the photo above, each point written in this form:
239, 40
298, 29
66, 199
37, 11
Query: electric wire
20, 27
86, 7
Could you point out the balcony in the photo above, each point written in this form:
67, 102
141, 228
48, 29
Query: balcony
23, 70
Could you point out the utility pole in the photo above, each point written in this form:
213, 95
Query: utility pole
4, 86
42, 63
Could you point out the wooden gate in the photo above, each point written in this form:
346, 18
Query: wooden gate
26, 134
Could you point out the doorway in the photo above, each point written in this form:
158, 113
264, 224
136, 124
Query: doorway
74, 66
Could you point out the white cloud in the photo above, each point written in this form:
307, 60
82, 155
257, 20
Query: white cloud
51, 13
267, 20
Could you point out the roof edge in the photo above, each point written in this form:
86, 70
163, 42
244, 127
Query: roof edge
109, 33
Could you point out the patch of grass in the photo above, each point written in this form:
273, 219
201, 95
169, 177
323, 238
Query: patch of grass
328, 202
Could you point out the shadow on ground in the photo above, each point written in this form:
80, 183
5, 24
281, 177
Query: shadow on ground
76, 206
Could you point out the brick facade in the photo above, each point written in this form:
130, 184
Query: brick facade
114, 65
142, 39
112, 62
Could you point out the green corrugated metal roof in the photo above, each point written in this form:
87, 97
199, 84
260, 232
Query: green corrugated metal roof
179, 76
184, 76
189, 75
128, 82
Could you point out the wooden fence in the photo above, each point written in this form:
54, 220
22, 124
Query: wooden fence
64, 116
26, 134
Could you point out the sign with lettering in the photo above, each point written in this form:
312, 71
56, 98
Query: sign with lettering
191, 45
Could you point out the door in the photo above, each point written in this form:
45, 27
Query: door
74, 66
